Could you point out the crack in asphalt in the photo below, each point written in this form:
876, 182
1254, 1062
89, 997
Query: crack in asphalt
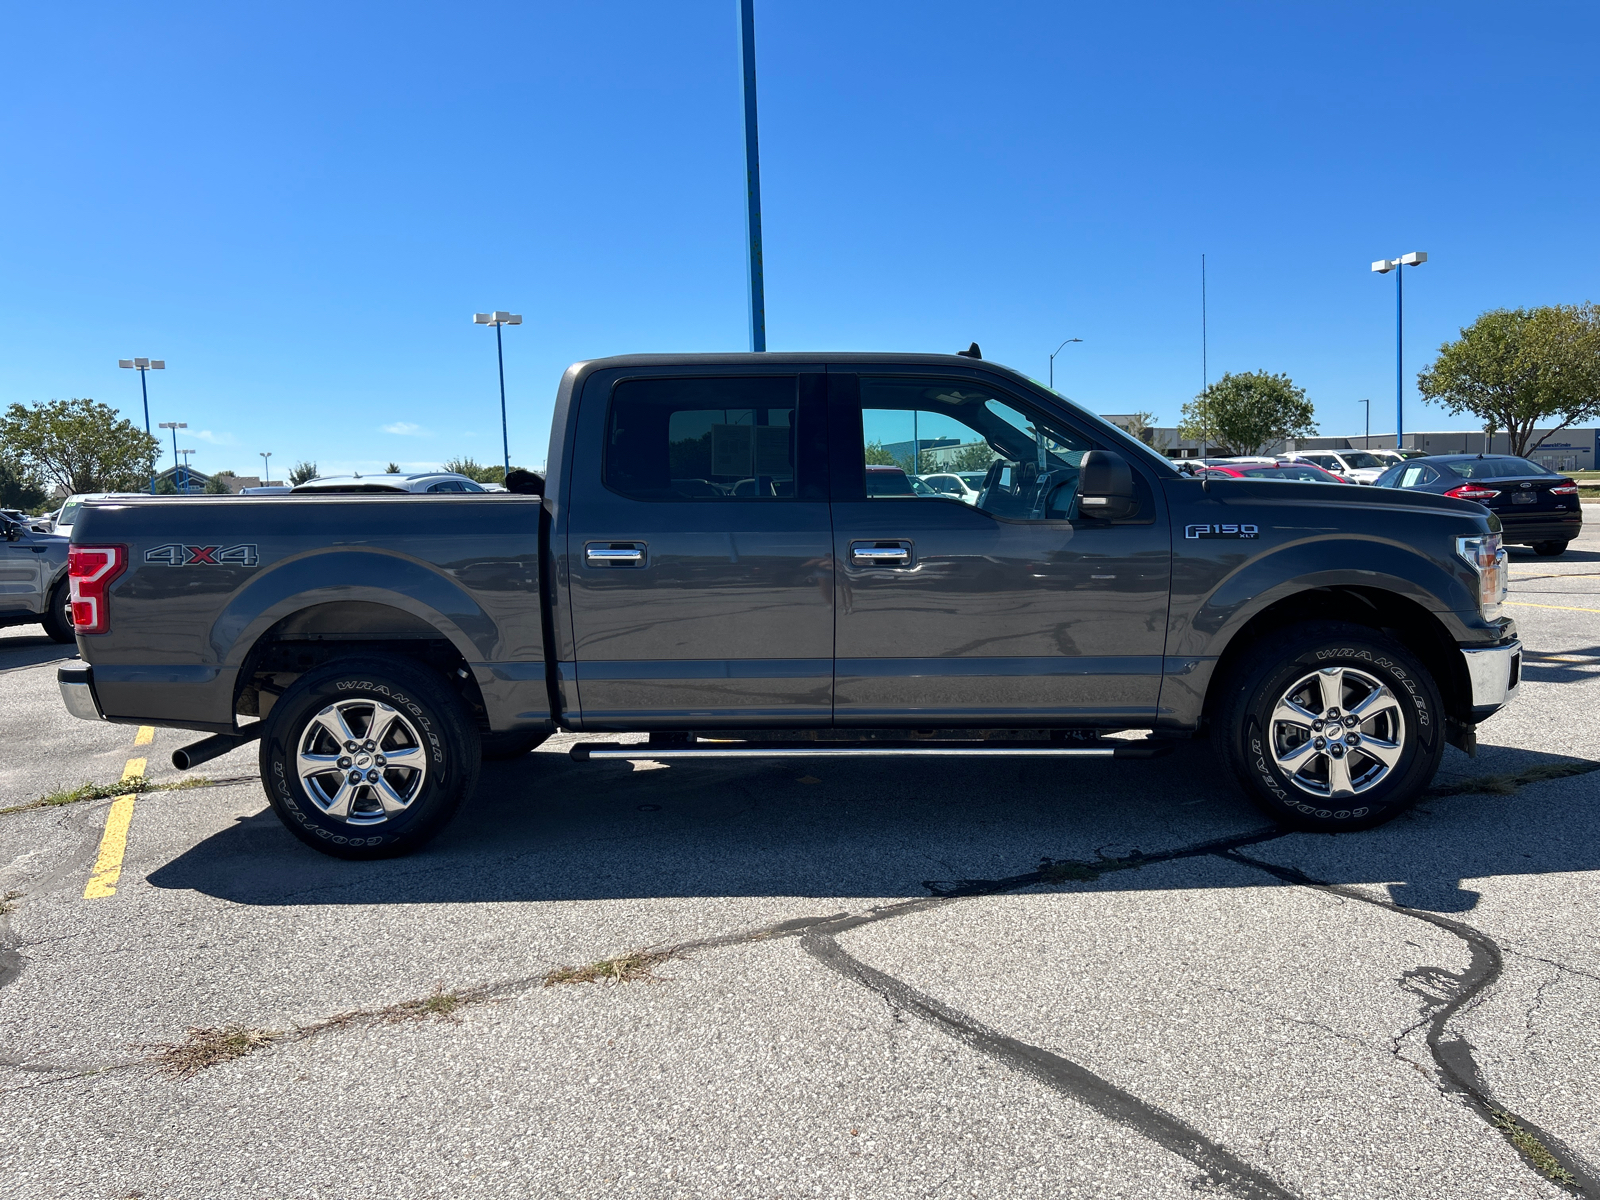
1452, 1053
1222, 1169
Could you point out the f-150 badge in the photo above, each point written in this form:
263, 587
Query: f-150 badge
176, 554
1221, 531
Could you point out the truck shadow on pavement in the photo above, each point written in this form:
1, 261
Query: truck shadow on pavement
32, 650
548, 829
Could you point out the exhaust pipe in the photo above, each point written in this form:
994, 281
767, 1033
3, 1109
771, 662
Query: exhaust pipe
214, 746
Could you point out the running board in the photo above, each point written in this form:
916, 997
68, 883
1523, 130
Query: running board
591, 751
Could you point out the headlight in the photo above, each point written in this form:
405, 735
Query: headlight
1488, 558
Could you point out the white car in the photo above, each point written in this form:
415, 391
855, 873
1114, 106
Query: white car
68, 516
1360, 465
427, 481
953, 486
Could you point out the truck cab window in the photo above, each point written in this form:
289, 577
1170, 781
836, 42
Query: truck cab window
702, 439
912, 429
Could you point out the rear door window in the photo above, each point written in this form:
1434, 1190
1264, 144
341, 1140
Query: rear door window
715, 439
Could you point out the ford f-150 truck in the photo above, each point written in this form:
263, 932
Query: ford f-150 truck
707, 562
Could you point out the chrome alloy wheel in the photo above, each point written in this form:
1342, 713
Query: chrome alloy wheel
361, 762
1337, 732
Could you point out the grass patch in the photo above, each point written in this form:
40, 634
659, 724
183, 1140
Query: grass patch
1532, 1149
133, 785
208, 1046
633, 967
1514, 781
8, 903
1067, 871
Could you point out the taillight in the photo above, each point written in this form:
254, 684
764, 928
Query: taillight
92, 570
1565, 489
1472, 491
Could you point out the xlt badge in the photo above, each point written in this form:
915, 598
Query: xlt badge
1221, 531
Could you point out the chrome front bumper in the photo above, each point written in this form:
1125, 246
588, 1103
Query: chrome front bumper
1495, 674
76, 681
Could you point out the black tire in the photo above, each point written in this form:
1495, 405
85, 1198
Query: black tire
500, 747
407, 804
1549, 549
1287, 665
57, 619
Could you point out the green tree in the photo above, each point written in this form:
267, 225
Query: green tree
18, 490
1515, 369
473, 469
219, 485
80, 445
877, 456
392, 469
1247, 413
966, 458
302, 472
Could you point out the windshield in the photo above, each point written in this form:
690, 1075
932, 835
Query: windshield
69, 515
1360, 459
1498, 467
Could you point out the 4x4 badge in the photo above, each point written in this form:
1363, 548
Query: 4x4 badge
176, 554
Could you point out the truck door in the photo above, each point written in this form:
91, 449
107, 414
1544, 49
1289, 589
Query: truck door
699, 550
1011, 610
22, 570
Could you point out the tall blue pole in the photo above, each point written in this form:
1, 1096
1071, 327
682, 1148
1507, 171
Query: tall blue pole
1399, 355
145, 392
175, 473
505, 438
752, 176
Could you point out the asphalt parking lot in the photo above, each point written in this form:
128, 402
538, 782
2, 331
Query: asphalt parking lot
895, 979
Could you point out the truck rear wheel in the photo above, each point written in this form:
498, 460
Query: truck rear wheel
1331, 727
368, 757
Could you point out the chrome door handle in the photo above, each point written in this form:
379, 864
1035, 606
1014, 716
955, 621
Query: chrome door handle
880, 554
613, 556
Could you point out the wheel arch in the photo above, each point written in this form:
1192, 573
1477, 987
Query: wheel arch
1398, 617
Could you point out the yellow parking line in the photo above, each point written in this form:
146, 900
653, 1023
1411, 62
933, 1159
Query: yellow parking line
113, 843
1558, 607
147, 734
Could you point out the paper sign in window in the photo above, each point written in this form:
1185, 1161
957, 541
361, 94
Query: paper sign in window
748, 450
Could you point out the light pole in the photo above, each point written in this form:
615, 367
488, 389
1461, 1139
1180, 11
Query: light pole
1058, 350
752, 177
175, 426
1383, 266
266, 471
1366, 442
186, 475
498, 319
142, 365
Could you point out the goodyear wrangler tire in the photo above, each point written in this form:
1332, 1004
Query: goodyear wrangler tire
1332, 727
368, 757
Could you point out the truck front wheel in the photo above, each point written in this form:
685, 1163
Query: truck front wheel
368, 757
1331, 727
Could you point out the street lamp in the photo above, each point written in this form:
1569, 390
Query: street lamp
1058, 350
266, 471
1366, 443
142, 365
498, 319
175, 426
1382, 267
186, 475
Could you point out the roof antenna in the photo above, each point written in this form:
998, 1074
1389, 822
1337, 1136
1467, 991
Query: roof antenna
971, 351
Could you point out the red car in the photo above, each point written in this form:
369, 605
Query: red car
1296, 472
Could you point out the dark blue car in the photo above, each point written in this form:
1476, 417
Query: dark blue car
1536, 507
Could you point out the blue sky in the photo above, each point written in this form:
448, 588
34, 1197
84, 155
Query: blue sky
300, 206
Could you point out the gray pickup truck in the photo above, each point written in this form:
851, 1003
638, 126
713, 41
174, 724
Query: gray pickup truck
728, 554
33, 578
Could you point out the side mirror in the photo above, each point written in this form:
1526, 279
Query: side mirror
1105, 486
